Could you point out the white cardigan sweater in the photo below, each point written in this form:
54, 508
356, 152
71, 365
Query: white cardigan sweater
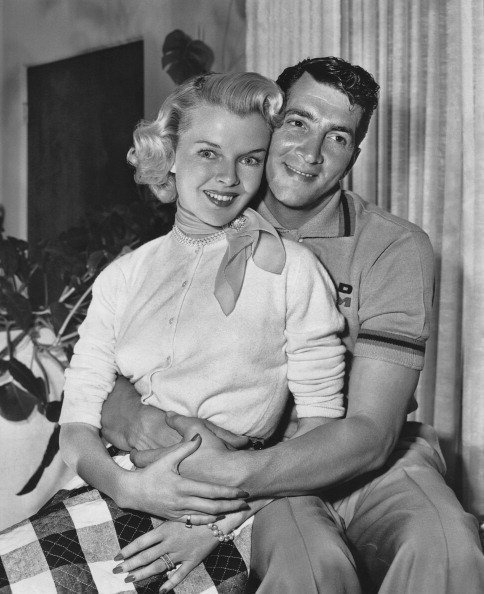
154, 319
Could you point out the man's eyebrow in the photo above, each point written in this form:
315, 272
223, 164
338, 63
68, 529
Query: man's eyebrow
302, 113
309, 116
348, 131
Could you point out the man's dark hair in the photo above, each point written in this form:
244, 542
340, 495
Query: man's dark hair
356, 83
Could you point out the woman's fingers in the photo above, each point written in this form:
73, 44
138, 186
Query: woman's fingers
192, 488
153, 537
156, 567
177, 576
210, 507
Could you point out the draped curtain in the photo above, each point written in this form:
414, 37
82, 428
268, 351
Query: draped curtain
423, 160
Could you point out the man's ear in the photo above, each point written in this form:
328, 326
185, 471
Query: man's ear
354, 156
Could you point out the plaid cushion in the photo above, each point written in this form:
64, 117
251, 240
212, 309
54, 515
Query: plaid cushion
70, 545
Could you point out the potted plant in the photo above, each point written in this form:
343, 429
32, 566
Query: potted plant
39, 323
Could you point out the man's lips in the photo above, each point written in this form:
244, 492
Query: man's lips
220, 198
304, 174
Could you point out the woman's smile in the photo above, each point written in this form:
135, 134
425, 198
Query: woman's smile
222, 199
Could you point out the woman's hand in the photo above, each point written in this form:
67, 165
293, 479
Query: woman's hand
186, 548
159, 490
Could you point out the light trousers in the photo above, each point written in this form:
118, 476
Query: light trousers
399, 531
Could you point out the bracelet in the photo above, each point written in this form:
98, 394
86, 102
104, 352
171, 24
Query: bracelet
219, 534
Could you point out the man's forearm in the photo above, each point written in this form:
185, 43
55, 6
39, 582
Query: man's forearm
328, 455
128, 424
325, 456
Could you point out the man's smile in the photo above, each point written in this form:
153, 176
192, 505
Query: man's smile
299, 172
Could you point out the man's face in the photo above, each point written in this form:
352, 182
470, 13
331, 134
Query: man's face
315, 146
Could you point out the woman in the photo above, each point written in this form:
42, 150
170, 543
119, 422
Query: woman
219, 319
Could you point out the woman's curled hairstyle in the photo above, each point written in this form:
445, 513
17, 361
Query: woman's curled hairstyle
154, 143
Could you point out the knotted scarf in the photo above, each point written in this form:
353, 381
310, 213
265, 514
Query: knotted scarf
249, 235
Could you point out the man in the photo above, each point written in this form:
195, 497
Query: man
386, 514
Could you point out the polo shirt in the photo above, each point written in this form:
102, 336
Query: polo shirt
383, 269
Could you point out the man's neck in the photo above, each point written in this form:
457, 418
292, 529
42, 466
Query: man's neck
293, 218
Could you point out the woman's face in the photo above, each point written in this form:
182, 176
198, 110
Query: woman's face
219, 163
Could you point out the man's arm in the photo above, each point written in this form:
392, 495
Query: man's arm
128, 424
378, 396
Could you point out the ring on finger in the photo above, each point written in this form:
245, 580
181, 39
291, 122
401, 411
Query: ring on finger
188, 523
167, 561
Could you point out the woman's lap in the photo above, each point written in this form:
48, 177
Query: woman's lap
70, 545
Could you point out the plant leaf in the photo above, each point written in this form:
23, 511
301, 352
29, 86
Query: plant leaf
59, 313
17, 306
15, 404
49, 455
24, 376
9, 257
184, 57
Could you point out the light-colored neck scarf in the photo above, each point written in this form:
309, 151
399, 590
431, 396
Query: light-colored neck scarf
249, 235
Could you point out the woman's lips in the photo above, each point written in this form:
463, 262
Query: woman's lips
220, 198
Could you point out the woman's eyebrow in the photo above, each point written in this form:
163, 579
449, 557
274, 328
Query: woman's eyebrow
215, 145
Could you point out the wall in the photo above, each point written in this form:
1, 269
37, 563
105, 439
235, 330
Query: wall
40, 31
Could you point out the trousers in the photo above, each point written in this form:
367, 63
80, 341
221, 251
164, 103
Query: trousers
399, 530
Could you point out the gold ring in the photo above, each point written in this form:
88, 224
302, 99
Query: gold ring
188, 523
167, 561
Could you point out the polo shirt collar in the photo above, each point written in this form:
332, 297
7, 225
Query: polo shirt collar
336, 219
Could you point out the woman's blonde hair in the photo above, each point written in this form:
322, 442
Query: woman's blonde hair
154, 143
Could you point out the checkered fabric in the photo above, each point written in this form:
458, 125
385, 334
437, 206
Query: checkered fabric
70, 545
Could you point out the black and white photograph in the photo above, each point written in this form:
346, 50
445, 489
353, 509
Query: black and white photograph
241, 296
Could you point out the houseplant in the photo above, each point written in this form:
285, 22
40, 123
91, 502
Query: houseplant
30, 313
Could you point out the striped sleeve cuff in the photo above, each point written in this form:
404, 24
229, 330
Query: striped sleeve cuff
393, 348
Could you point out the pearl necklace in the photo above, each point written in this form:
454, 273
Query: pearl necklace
185, 239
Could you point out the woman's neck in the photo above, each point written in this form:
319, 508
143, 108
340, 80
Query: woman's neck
191, 225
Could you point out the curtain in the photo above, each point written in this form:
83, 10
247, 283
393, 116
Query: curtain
422, 160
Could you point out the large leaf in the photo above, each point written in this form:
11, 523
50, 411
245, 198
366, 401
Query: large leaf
18, 307
50, 452
9, 257
184, 57
15, 404
24, 376
59, 313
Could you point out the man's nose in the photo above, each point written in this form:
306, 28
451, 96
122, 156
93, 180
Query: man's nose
227, 174
311, 150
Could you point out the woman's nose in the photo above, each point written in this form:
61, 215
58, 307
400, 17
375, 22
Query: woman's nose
311, 150
228, 174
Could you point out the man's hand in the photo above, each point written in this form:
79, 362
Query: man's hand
158, 489
338, 451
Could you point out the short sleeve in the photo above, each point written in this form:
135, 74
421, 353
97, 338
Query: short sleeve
92, 370
315, 354
396, 302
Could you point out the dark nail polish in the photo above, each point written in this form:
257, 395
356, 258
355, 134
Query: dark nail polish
243, 494
118, 569
195, 437
245, 506
119, 557
218, 518
130, 578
